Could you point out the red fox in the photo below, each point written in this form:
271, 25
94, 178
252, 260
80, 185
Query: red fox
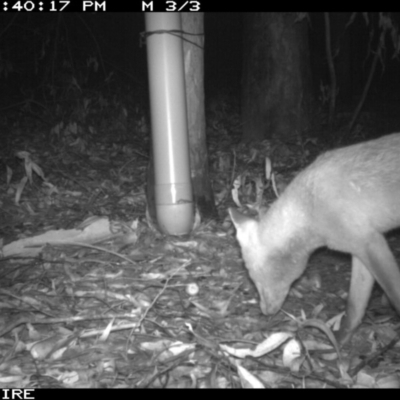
345, 200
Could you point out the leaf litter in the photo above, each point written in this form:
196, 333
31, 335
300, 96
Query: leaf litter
135, 308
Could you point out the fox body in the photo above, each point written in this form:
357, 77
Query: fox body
345, 200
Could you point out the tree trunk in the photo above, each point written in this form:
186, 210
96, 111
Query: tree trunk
341, 47
276, 97
193, 48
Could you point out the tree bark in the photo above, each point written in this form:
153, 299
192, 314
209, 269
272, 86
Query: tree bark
193, 48
276, 96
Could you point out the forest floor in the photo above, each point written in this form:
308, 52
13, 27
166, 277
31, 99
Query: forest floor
142, 309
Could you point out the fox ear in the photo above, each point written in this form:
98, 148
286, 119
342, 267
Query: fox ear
238, 218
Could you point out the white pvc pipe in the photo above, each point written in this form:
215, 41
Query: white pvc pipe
173, 189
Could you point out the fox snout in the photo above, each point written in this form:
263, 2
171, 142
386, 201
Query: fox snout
270, 302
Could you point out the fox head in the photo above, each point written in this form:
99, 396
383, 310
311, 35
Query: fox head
271, 259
